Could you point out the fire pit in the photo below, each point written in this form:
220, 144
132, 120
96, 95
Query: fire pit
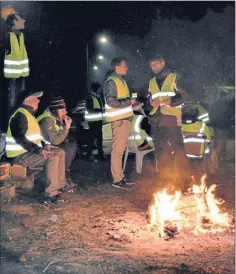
196, 211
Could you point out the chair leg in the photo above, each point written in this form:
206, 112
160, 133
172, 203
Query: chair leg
140, 163
125, 159
137, 159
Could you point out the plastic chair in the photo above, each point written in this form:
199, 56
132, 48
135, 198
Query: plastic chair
132, 148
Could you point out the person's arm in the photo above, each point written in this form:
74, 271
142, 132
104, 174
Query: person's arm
111, 96
19, 127
89, 103
180, 96
50, 133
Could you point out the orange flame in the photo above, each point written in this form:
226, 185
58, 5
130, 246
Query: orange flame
165, 209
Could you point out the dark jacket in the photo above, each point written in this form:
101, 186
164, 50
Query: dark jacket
110, 92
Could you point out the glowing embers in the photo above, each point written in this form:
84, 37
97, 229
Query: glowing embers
197, 211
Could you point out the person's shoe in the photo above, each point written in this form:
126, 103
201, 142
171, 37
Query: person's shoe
121, 184
62, 190
128, 182
53, 200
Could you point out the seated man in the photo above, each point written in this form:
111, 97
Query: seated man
24, 146
197, 135
55, 125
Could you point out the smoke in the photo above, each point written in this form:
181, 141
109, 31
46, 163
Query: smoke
201, 52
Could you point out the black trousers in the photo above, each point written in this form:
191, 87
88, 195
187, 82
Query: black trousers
170, 154
95, 135
70, 149
11, 89
15, 87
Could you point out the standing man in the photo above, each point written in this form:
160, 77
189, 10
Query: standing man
24, 146
16, 63
119, 112
166, 99
55, 126
94, 116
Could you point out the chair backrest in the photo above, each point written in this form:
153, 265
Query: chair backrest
132, 144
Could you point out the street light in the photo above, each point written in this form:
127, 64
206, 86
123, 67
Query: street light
103, 40
100, 57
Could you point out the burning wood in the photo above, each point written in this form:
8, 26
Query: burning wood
198, 211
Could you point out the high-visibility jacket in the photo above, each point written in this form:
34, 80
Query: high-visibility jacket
139, 134
33, 134
97, 115
47, 114
114, 114
197, 137
167, 91
16, 64
203, 113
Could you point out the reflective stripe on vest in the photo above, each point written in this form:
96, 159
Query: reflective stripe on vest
33, 134
139, 134
114, 114
91, 116
202, 130
16, 64
167, 91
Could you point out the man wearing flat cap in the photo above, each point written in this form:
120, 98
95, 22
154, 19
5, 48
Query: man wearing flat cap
55, 126
25, 146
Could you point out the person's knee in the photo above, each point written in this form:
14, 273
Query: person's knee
59, 152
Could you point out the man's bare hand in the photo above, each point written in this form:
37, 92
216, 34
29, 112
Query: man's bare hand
46, 153
154, 103
49, 147
132, 101
167, 102
68, 122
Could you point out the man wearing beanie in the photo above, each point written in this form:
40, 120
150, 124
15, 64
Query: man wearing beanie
55, 126
25, 146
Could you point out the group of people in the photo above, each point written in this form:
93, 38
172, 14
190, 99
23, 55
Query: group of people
165, 118
44, 141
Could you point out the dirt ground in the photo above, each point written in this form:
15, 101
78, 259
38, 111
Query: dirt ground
103, 230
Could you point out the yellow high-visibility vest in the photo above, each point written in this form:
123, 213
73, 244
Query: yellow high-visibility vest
197, 137
48, 114
114, 114
33, 134
167, 91
94, 116
16, 64
140, 135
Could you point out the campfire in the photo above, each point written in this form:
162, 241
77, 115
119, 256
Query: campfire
197, 211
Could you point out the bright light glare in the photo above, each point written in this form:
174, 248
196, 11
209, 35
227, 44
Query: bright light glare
95, 67
100, 57
103, 40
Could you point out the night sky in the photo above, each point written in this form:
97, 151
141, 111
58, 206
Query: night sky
57, 34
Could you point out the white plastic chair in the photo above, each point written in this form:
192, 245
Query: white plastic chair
132, 148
